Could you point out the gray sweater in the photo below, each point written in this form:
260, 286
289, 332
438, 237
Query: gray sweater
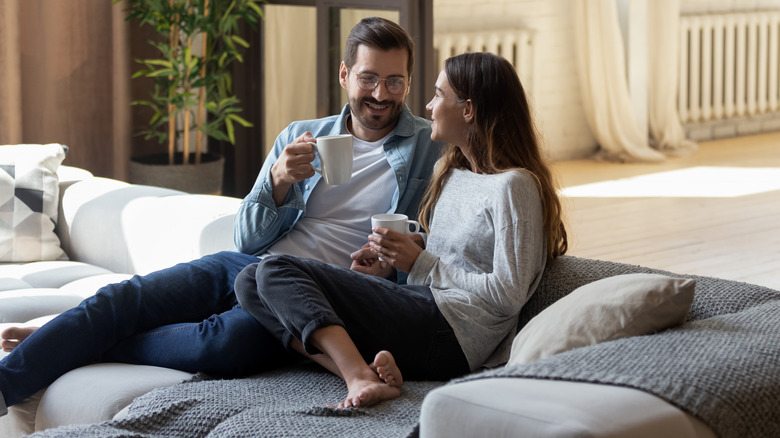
484, 258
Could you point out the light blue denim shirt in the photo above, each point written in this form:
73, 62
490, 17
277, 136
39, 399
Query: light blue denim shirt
259, 223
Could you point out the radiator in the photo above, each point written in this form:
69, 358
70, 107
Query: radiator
516, 45
728, 65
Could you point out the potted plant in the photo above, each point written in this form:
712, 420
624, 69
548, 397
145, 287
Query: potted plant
192, 87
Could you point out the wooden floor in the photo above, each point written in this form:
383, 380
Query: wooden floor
715, 213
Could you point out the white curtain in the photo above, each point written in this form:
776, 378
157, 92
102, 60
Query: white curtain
602, 73
666, 130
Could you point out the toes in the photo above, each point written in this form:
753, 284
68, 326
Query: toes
387, 369
17, 333
8, 345
350, 403
381, 359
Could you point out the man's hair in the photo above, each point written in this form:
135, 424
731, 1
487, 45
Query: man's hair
382, 34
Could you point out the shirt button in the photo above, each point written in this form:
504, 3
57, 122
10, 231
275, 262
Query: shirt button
307, 187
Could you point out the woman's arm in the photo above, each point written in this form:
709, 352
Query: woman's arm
517, 251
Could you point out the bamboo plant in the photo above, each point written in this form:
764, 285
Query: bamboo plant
185, 81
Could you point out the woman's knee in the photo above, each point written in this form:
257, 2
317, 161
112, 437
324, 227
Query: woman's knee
272, 270
275, 262
245, 283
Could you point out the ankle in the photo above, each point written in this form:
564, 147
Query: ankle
3, 407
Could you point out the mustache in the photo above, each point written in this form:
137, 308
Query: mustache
373, 101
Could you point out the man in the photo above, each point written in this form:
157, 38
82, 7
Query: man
187, 317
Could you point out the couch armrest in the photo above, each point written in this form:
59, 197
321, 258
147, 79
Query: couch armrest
138, 229
69, 175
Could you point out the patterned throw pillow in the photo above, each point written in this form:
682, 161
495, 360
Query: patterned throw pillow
29, 197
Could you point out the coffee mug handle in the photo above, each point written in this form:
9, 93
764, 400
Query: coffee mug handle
416, 226
314, 147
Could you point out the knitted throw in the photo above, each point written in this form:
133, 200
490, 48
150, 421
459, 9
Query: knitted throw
290, 402
722, 366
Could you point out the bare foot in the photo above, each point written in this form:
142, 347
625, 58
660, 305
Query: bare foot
387, 370
13, 336
368, 390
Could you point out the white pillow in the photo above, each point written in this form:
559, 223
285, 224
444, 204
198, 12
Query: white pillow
29, 198
607, 309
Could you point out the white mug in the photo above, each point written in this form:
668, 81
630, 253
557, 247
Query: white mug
335, 153
399, 223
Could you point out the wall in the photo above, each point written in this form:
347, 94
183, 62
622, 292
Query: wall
560, 118
712, 6
558, 106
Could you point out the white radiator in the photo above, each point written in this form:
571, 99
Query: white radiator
728, 65
516, 45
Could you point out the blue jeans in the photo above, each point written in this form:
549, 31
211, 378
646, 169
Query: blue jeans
185, 317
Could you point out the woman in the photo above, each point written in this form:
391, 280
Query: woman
495, 221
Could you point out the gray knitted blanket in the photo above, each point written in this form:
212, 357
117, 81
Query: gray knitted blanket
290, 402
722, 366
725, 370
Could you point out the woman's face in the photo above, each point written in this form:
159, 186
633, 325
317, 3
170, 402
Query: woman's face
448, 114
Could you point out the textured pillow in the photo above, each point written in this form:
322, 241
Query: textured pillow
29, 197
607, 309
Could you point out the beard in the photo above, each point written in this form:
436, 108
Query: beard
374, 121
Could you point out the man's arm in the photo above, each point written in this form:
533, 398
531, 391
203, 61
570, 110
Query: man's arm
272, 206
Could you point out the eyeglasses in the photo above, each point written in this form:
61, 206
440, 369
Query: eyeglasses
369, 82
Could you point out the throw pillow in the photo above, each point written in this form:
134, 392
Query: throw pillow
607, 309
29, 201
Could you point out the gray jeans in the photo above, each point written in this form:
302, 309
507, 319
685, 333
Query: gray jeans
292, 297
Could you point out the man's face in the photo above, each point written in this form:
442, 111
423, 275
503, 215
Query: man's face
375, 112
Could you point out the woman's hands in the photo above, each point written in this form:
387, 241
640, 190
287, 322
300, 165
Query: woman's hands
399, 250
364, 260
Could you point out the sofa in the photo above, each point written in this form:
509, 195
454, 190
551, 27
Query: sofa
108, 230
715, 373
591, 374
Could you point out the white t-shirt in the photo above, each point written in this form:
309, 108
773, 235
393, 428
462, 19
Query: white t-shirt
337, 220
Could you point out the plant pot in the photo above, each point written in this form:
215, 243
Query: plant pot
204, 178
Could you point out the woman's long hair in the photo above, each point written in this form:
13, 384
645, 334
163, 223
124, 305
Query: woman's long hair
501, 137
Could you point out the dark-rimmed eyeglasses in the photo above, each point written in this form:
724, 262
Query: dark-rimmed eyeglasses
369, 82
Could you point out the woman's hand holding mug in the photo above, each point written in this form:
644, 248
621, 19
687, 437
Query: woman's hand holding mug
392, 240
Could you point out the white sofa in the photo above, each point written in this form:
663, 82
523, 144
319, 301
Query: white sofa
109, 230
